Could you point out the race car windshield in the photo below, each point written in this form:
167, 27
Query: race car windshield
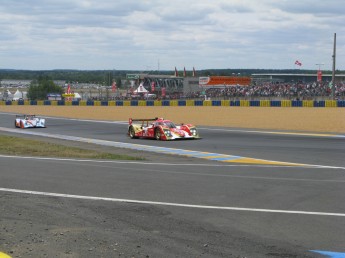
170, 124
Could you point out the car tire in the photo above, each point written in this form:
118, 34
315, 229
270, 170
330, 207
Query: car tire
157, 134
131, 132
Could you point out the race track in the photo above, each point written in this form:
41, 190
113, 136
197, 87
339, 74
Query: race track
199, 208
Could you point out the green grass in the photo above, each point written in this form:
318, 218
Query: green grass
10, 145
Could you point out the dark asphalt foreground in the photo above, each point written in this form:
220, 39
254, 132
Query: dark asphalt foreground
35, 226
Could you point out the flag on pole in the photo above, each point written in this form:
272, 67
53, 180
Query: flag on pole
194, 73
184, 72
298, 63
176, 73
113, 88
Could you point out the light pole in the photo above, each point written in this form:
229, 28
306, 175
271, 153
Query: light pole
333, 66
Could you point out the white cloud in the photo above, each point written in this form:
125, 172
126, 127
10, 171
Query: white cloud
130, 34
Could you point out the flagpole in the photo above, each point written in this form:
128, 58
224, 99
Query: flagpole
333, 67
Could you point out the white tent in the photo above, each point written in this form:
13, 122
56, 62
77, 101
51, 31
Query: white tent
141, 89
76, 96
7, 95
18, 95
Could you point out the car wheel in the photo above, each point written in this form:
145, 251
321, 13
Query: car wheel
15, 124
132, 133
157, 134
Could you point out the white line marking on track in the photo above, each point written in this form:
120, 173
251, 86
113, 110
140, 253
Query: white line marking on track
94, 198
103, 163
164, 163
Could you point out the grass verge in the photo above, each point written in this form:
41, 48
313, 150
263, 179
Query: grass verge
10, 145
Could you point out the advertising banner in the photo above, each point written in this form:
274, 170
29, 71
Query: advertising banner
222, 81
319, 75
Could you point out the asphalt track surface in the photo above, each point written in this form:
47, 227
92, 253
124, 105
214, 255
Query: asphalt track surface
195, 207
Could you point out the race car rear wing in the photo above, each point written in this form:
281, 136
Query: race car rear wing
25, 116
143, 120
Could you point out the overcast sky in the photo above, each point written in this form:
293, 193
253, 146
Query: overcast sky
158, 34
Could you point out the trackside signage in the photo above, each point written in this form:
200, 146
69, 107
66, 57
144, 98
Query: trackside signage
221, 81
132, 76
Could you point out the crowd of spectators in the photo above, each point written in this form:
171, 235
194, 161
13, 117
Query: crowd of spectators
269, 90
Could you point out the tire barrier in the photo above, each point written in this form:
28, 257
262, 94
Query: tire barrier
181, 103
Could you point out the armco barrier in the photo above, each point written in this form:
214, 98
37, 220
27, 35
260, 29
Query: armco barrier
244, 103
341, 103
320, 103
307, 103
141, 103
276, 103
225, 103
286, 103
173, 103
297, 103
331, 103
157, 103
165, 103
182, 103
254, 103
207, 103
235, 103
216, 103
134, 103
265, 103
190, 103
198, 102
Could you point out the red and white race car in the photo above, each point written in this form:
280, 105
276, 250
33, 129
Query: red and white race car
160, 129
29, 121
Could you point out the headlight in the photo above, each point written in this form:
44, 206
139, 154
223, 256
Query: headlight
167, 133
193, 131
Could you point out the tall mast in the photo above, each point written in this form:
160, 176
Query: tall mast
333, 67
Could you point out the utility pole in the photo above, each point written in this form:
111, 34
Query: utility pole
333, 68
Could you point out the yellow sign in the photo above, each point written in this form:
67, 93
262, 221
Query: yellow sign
68, 95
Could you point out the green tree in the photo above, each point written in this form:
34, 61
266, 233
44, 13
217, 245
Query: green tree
40, 87
118, 82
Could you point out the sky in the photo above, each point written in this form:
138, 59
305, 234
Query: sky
149, 35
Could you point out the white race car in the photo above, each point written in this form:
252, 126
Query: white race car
29, 121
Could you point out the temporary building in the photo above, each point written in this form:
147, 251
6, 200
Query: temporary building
77, 96
18, 95
141, 89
